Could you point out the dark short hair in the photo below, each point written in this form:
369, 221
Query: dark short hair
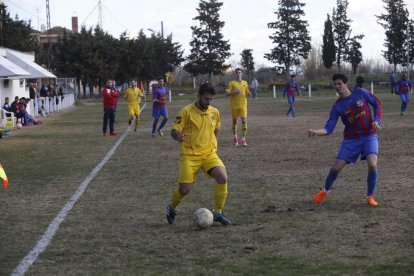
359, 79
160, 78
340, 76
207, 88
238, 69
293, 76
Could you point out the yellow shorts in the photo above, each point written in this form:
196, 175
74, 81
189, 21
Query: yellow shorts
189, 167
239, 112
133, 110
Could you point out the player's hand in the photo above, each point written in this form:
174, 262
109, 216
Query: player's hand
235, 92
311, 133
376, 125
180, 138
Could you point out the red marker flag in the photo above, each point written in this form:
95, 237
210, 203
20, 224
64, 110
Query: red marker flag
4, 177
141, 86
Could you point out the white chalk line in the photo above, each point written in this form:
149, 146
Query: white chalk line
53, 227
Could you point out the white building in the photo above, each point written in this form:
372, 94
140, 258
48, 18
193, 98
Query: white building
16, 68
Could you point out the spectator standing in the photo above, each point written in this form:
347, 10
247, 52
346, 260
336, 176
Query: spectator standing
110, 97
254, 86
393, 83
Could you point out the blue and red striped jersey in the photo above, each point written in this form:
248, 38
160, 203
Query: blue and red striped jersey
291, 88
355, 114
404, 86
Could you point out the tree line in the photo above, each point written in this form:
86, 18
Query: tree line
94, 56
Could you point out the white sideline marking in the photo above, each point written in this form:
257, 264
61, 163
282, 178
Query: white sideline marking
51, 230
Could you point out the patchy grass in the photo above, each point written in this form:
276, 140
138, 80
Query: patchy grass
118, 226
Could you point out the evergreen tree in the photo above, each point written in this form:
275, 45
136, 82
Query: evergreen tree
15, 34
291, 36
342, 31
247, 61
328, 47
209, 50
354, 54
394, 23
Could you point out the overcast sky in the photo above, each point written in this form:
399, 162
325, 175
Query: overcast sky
245, 21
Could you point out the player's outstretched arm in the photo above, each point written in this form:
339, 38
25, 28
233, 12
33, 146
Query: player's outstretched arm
317, 132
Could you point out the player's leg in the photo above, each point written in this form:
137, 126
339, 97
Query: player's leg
403, 103
370, 153
348, 153
164, 114
156, 113
219, 173
244, 129
188, 170
130, 114
235, 115
372, 178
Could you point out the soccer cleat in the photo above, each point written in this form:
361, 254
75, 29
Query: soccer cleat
235, 141
153, 134
219, 217
244, 143
160, 132
113, 133
171, 214
320, 196
371, 201
402, 113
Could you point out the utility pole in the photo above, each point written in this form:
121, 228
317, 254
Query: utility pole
100, 15
49, 40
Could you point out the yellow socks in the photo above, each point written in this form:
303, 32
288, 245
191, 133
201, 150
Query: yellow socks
244, 129
220, 195
177, 198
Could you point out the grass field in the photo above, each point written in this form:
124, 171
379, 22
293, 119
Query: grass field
118, 226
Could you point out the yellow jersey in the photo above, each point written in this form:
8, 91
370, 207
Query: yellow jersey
238, 100
198, 127
133, 95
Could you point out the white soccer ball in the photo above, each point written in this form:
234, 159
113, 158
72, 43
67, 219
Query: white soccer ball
19, 125
203, 218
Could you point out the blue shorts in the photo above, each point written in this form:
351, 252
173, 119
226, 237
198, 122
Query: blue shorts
291, 99
157, 112
405, 98
351, 149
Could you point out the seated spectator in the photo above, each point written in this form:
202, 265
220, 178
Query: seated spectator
21, 112
6, 105
13, 104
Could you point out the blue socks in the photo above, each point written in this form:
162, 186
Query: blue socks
330, 179
372, 182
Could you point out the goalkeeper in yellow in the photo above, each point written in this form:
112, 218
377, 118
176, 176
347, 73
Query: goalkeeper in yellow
196, 128
133, 95
238, 90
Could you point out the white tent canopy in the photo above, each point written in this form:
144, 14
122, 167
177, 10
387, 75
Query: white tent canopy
9, 69
27, 64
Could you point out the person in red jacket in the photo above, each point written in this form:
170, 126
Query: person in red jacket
110, 96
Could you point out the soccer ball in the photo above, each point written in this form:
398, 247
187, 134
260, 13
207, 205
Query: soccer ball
203, 218
19, 125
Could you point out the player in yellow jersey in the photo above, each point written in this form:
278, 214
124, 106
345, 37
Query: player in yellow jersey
196, 129
133, 95
238, 90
